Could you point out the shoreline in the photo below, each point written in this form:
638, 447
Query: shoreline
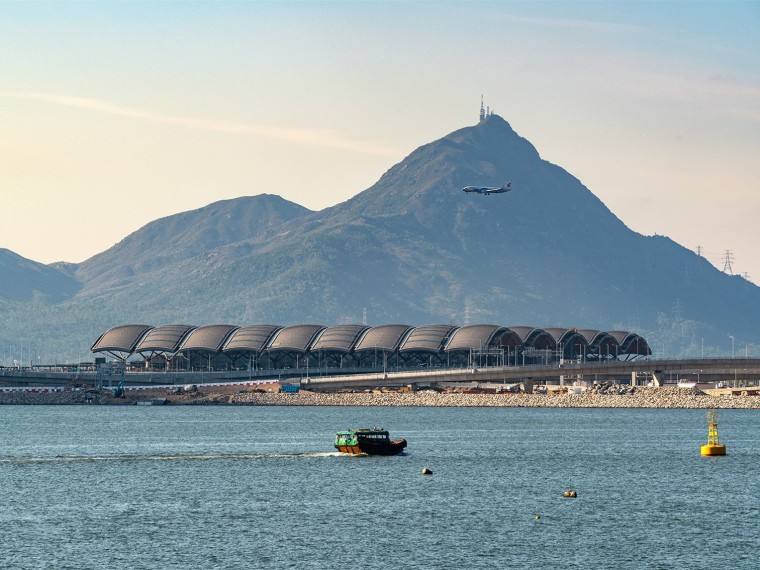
665, 398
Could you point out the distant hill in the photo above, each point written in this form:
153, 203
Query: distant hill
183, 236
413, 248
22, 279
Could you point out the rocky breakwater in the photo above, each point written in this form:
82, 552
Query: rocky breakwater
599, 396
50, 398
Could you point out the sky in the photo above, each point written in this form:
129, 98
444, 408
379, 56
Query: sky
114, 114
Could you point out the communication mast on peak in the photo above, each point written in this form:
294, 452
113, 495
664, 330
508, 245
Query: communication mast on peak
485, 112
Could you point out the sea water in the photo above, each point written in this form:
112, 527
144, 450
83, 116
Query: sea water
261, 487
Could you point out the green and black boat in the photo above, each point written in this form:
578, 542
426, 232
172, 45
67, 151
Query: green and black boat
368, 441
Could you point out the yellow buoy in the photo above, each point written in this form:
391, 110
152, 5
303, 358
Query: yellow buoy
713, 447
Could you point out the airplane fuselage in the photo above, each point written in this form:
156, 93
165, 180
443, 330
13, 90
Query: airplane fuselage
488, 190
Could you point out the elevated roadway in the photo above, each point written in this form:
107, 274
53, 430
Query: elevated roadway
642, 371
639, 372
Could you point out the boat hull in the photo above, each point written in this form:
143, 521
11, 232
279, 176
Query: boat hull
391, 448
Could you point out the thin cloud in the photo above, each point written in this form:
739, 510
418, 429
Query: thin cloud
311, 137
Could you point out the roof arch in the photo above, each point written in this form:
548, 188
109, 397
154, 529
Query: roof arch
209, 338
341, 338
427, 338
535, 338
384, 337
250, 339
475, 337
120, 341
601, 343
569, 341
631, 343
165, 339
297, 338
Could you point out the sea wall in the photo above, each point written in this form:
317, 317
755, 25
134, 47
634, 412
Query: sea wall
610, 397
641, 398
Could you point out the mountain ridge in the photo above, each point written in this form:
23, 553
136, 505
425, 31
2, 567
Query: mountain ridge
414, 248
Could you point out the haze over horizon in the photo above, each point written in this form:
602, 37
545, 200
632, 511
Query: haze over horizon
116, 114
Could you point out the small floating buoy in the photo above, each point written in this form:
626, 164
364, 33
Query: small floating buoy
426, 471
538, 517
570, 494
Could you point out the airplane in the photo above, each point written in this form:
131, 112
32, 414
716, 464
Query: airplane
487, 190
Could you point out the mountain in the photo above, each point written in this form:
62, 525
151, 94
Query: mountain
414, 248
183, 236
26, 280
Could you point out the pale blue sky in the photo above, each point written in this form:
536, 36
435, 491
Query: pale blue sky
113, 114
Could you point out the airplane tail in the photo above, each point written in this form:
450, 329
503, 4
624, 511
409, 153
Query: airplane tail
507, 186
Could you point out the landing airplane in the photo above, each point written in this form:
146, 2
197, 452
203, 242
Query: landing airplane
487, 190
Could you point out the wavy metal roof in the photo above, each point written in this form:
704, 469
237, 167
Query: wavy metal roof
567, 337
383, 337
473, 336
341, 338
210, 338
600, 342
146, 340
298, 338
427, 338
535, 337
164, 339
123, 338
631, 343
254, 338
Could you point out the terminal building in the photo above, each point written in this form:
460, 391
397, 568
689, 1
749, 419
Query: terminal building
349, 348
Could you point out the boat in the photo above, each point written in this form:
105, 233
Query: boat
368, 441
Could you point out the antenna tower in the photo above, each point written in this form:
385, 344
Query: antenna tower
699, 250
482, 110
728, 257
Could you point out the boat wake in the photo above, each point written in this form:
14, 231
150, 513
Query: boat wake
160, 457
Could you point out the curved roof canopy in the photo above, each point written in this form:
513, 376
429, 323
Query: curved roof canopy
120, 341
123, 341
165, 339
537, 338
297, 338
569, 338
384, 337
428, 338
600, 342
341, 338
631, 343
474, 337
208, 339
254, 338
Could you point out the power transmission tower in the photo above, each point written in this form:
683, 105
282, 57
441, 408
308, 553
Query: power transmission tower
699, 250
728, 257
